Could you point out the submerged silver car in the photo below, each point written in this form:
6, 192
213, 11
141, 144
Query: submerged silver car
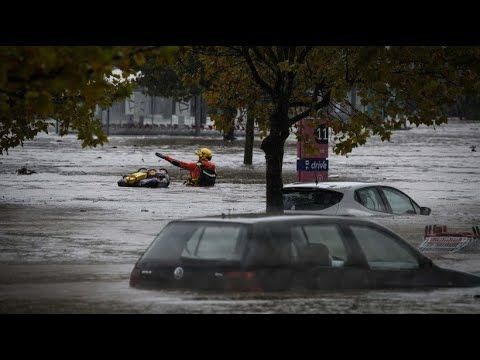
349, 198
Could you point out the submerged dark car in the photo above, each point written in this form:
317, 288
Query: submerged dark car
272, 253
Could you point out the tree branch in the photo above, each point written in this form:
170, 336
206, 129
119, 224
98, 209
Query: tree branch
272, 55
294, 104
271, 65
291, 75
256, 76
303, 54
314, 97
324, 102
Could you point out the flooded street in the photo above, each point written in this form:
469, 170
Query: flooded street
69, 236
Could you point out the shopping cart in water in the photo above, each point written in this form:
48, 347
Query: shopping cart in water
438, 238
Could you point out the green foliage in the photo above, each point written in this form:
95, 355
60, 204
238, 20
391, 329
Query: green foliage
282, 85
166, 78
226, 87
65, 83
286, 84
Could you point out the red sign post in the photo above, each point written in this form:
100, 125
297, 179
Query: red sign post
312, 151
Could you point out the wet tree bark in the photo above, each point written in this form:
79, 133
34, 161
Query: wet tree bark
273, 146
249, 137
203, 111
198, 115
229, 135
229, 132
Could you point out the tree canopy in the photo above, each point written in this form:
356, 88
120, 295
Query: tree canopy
165, 78
65, 83
296, 82
227, 88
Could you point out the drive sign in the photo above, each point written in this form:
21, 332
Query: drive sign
312, 151
312, 165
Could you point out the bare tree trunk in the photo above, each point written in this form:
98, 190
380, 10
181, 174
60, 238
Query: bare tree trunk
273, 146
108, 121
204, 110
249, 138
230, 134
198, 115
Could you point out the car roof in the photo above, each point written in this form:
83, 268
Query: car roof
263, 218
334, 185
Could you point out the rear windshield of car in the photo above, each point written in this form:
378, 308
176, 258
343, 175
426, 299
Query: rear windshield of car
309, 199
198, 241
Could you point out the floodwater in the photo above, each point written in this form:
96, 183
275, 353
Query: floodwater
69, 236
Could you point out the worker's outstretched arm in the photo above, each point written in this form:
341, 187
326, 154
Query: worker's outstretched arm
178, 163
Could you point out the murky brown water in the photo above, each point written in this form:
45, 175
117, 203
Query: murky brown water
69, 235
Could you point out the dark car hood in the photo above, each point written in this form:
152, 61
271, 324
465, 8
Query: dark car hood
457, 278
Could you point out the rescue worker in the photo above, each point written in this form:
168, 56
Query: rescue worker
202, 172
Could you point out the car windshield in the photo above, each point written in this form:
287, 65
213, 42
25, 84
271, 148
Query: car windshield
199, 241
309, 199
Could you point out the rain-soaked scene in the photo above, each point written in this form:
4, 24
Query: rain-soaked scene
76, 222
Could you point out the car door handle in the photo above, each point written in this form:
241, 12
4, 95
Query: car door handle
217, 274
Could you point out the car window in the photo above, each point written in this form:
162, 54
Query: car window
370, 198
215, 242
328, 235
169, 243
310, 199
399, 203
382, 251
272, 247
323, 234
298, 236
198, 241
192, 243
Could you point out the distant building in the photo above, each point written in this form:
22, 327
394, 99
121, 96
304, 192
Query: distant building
144, 111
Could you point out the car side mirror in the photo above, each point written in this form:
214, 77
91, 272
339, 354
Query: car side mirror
425, 211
